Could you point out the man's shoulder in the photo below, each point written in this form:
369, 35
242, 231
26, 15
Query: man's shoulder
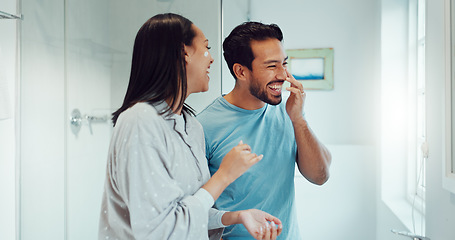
211, 112
209, 107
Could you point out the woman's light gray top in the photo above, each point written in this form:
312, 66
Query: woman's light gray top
155, 170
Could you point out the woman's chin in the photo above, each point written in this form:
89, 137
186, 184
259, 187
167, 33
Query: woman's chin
205, 88
200, 91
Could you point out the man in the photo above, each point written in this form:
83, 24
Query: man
253, 112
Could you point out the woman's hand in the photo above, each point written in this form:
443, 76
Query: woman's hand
234, 164
260, 224
238, 161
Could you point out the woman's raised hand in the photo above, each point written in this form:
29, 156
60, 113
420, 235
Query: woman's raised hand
237, 161
234, 164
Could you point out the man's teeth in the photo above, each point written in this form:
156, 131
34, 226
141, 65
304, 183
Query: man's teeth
276, 87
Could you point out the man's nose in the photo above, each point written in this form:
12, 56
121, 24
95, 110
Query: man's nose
281, 73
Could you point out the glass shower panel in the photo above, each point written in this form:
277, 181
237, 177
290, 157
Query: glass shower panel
88, 89
99, 41
75, 58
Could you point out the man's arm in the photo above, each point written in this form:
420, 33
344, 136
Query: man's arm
313, 158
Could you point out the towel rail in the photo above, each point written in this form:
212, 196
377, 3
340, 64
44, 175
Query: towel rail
5, 15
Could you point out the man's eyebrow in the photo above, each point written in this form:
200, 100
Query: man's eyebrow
275, 61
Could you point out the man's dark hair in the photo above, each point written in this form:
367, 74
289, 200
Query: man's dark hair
237, 46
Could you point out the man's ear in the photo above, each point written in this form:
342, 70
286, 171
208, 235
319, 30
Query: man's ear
240, 71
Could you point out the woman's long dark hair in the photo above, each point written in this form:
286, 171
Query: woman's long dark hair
158, 69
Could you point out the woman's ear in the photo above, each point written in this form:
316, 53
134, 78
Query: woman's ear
239, 71
188, 52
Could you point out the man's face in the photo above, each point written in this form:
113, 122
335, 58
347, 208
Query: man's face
268, 70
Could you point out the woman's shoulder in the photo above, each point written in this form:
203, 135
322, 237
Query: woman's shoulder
139, 114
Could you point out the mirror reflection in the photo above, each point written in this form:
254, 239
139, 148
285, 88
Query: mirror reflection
77, 55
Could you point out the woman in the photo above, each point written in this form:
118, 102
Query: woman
157, 184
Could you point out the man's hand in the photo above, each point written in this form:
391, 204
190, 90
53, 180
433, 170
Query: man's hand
294, 105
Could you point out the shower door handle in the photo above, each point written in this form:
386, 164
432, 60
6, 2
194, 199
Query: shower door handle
76, 121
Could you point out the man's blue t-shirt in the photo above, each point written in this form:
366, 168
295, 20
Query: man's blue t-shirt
267, 185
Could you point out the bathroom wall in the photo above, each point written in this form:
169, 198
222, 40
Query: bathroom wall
344, 207
7, 122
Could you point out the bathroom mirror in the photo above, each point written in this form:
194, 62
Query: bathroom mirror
77, 54
449, 159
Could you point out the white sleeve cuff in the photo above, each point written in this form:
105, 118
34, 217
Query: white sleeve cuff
205, 198
215, 216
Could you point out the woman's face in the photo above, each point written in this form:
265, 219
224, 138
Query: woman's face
198, 61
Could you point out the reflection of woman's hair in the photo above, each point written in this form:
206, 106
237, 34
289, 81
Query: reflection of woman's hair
158, 69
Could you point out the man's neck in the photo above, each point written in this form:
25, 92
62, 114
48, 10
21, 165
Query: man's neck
242, 98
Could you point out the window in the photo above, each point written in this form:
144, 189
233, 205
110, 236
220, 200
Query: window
403, 111
417, 124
